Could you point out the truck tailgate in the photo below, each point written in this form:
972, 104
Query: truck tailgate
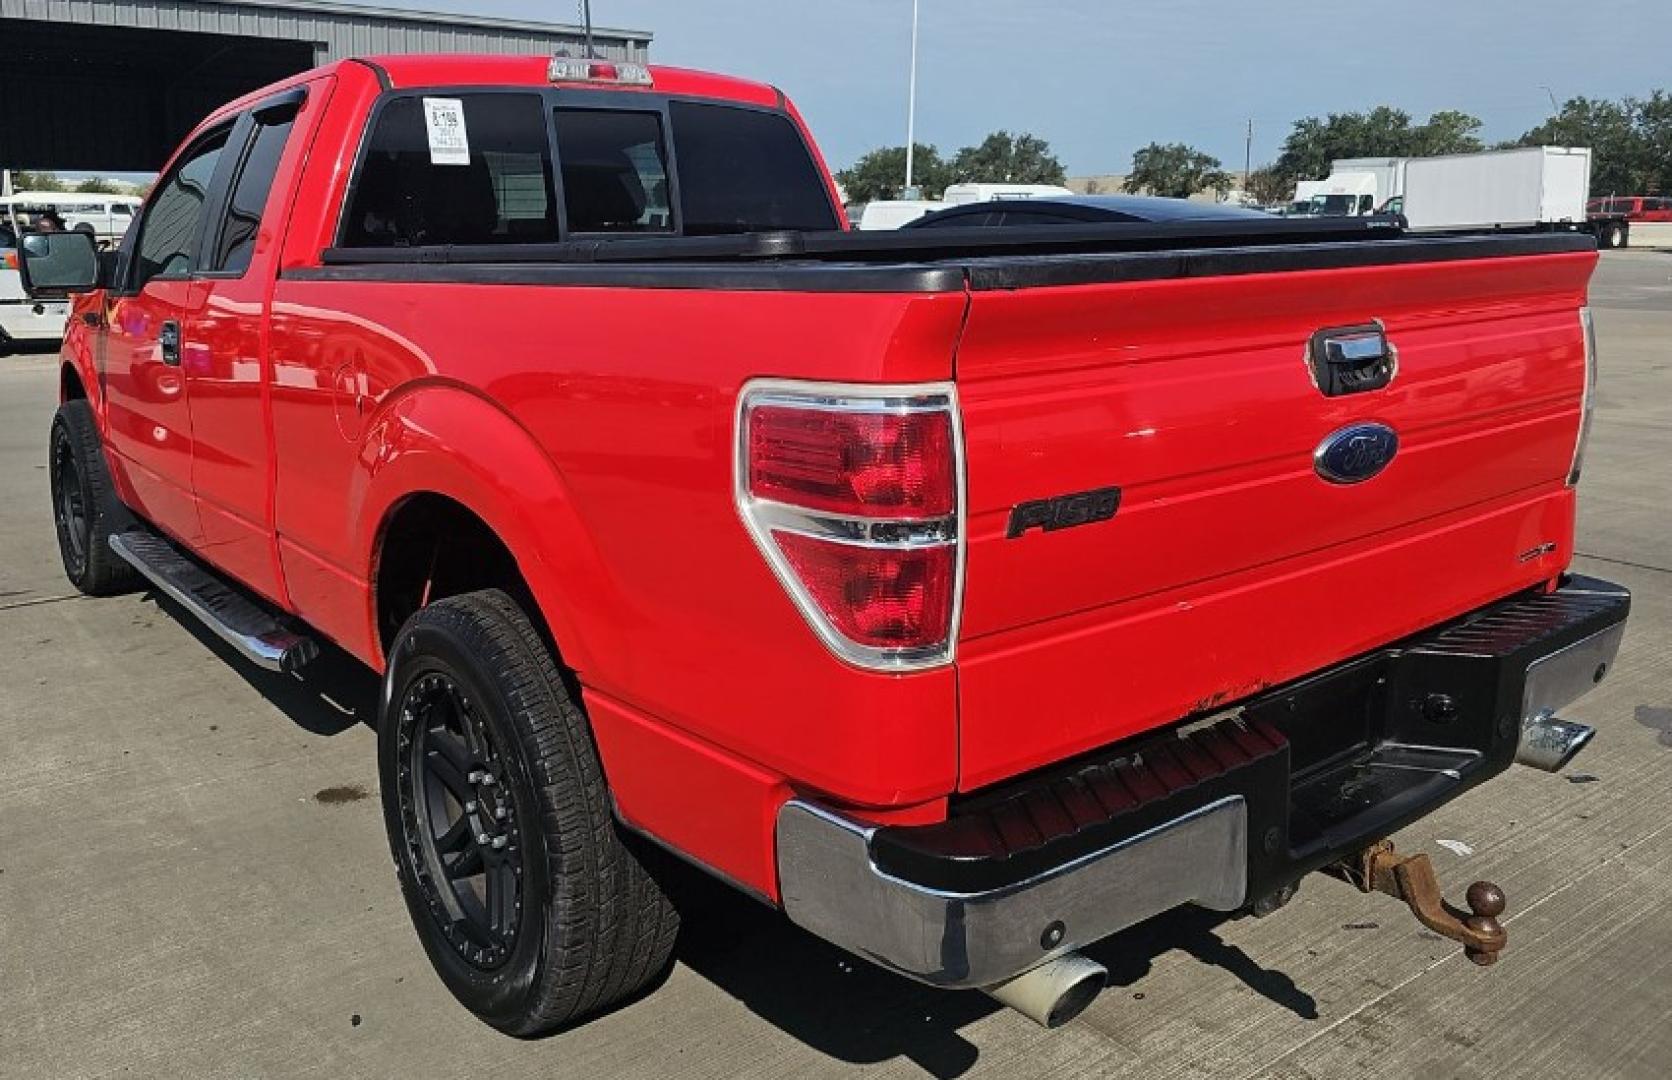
1231, 564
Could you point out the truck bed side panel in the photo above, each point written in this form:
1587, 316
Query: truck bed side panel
602, 419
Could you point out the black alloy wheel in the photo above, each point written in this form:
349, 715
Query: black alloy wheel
460, 821
85, 509
69, 504
531, 905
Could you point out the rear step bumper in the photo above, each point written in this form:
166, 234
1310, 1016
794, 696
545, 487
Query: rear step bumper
1222, 816
234, 617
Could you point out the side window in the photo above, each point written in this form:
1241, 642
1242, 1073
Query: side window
487, 180
743, 170
249, 193
615, 171
173, 224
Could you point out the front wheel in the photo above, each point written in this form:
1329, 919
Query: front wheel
85, 508
532, 910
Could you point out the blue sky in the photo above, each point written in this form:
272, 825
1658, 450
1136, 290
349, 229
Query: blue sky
1100, 78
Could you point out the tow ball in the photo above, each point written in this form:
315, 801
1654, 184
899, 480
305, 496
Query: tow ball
1410, 878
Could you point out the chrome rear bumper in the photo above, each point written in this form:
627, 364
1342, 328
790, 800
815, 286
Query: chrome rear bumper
832, 887
1221, 815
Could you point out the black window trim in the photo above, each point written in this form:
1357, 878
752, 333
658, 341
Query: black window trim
213, 201
554, 98
244, 134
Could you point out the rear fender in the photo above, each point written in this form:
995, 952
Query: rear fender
446, 439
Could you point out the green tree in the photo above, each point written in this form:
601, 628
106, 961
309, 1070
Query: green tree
1654, 129
881, 174
1447, 132
24, 180
1176, 170
1003, 158
1268, 187
1381, 132
98, 185
1630, 140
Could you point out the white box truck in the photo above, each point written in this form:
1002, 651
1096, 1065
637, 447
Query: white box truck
1513, 189
1389, 174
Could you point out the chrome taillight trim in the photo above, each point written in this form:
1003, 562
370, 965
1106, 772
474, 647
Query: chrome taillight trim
1587, 405
762, 517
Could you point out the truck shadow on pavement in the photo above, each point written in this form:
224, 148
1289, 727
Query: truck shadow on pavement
328, 697
848, 1009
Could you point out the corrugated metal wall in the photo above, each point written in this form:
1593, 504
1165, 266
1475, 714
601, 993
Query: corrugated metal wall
336, 30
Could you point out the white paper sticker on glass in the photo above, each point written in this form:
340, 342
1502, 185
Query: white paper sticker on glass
444, 121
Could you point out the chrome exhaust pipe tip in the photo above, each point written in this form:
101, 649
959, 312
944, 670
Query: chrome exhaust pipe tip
1055, 992
1548, 742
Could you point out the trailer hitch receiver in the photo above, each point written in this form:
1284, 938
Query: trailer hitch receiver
1379, 868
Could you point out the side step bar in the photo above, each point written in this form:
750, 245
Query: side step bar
235, 618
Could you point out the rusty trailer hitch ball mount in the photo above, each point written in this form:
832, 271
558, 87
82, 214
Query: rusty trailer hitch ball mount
1411, 878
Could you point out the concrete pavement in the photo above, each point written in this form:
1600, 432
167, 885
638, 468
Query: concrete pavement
191, 883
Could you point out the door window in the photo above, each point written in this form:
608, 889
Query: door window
249, 193
173, 224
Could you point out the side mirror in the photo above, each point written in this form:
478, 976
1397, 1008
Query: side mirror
54, 265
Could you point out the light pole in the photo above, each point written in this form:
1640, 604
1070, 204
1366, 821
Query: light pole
586, 17
911, 98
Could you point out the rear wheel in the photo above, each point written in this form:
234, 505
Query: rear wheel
85, 508
532, 910
1622, 236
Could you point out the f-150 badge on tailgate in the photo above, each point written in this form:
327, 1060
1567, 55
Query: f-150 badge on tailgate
1355, 454
1063, 511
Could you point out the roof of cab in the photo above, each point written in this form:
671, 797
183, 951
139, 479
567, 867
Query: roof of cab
417, 71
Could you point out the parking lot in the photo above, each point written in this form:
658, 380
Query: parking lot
194, 879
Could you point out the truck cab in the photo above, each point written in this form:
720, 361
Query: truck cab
1349, 194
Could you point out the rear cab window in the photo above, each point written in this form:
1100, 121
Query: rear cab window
412, 190
540, 166
745, 170
615, 171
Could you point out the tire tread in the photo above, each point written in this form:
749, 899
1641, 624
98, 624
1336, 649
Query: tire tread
611, 929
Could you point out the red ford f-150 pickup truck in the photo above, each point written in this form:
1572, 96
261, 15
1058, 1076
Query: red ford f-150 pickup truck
969, 594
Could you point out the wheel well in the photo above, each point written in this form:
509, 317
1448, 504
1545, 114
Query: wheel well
69, 385
433, 548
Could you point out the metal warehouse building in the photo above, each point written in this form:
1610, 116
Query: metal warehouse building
114, 84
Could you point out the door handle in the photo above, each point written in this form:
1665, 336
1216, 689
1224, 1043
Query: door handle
169, 340
1352, 359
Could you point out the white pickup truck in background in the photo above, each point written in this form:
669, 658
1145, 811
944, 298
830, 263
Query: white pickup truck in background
23, 319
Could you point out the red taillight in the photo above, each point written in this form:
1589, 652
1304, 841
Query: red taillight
878, 597
853, 495
846, 462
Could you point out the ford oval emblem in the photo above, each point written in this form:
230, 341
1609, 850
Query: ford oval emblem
1355, 454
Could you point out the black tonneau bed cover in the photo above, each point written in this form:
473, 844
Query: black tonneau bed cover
938, 260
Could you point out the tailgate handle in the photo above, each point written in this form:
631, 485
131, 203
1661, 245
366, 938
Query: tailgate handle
1352, 359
